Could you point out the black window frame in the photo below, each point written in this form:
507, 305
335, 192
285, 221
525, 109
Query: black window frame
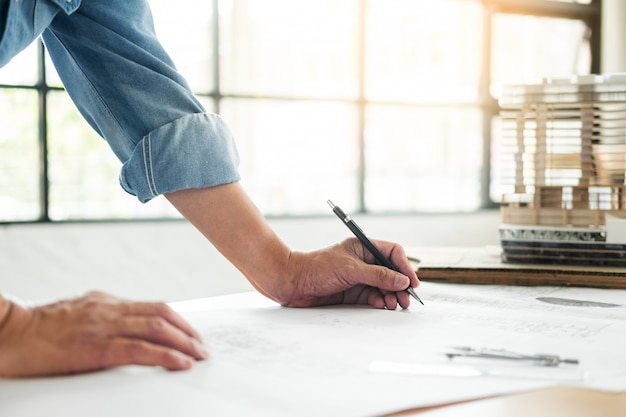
590, 14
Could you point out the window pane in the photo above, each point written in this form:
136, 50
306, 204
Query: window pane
289, 48
22, 69
185, 30
499, 163
420, 50
52, 76
187, 38
296, 155
573, 1
422, 159
207, 103
83, 171
528, 48
19, 176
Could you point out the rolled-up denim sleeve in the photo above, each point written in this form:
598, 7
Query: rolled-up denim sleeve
128, 89
194, 151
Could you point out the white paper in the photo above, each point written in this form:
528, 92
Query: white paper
267, 360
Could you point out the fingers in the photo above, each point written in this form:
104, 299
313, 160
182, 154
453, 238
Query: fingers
163, 311
96, 300
392, 284
398, 258
152, 334
391, 302
161, 332
395, 253
369, 295
123, 351
142, 309
150, 321
149, 333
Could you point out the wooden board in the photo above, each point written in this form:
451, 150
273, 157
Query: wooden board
559, 401
483, 265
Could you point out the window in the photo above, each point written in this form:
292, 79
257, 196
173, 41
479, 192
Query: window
381, 105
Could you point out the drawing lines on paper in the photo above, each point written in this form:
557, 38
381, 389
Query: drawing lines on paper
508, 298
527, 321
283, 347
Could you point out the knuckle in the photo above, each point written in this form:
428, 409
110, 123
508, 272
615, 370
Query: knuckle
156, 325
156, 309
382, 275
162, 310
94, 294
135, 349
92, 304
127, 352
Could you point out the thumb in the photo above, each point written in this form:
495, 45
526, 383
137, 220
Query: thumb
384, 278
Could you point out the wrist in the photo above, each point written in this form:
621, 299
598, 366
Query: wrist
12, 311
270, 270
13, 320
299, 281
6, 308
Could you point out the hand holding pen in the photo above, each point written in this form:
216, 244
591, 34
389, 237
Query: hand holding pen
382, 259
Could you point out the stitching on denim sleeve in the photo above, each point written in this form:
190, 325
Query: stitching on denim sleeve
147, 162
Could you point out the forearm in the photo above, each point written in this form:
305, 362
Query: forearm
342, 273
231, 222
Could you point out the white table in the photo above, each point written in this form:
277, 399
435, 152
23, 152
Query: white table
267, 360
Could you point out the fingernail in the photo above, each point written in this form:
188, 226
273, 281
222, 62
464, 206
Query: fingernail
201, 349
183, 361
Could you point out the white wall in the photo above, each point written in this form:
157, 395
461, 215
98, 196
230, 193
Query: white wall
171, 261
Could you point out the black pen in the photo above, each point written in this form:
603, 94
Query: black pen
382, 259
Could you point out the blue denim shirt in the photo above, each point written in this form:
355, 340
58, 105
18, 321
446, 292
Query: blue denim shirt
129, 90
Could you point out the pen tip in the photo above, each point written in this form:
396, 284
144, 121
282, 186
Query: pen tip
411, 291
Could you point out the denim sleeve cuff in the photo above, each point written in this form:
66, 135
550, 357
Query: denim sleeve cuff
195, 151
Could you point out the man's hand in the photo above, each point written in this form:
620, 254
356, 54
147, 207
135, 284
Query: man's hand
94, 332
339, 275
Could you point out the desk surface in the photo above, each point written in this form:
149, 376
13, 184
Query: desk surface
553, 402
484, 265
272, 361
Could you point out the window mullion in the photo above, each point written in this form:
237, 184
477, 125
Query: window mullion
42, 92
361, 103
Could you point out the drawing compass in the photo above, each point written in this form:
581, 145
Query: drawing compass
537, 359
